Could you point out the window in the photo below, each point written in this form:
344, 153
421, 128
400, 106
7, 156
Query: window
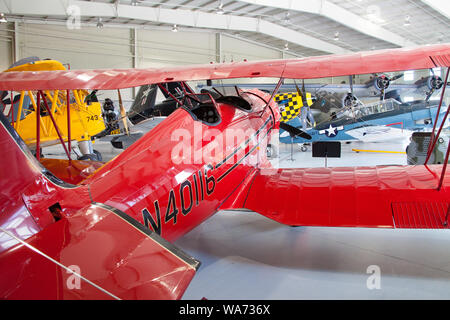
436, 72
408, 99
409, 75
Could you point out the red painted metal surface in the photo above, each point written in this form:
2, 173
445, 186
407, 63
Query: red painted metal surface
432, 143
71, 171
388, 60
420, 214
156, 183
114, 259
444, 168
345, 197
112, 252
149, 174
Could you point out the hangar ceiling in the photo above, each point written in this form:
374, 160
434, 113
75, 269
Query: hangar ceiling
302, 28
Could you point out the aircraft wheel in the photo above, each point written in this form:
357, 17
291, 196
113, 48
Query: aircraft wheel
98, 155
272, 151
303, 148
440, 140
269, 151
91, 157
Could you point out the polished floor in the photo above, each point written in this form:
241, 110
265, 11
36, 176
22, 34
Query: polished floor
247, 256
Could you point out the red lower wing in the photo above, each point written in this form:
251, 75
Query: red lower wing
113, 258
384, 196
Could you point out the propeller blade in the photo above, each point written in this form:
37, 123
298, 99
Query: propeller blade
303, 88
294, 132
298, 90
123, 113
350, 78
397, 76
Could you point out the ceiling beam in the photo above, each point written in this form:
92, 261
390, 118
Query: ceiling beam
197, 19
340, 15
443, 7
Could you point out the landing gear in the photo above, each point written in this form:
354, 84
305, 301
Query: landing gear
272, 151
87, 152
303, 147
95, 156
41, 155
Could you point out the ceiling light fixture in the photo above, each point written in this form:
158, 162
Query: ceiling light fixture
134, 2
407, 22
99, 23
3, 18
175, 28
336, 36
286, 46
219, 9
287, 20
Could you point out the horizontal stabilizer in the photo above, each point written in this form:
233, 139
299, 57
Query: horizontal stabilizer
382, 196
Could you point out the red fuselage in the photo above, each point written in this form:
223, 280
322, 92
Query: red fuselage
148, 182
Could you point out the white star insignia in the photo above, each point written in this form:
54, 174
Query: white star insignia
331, 131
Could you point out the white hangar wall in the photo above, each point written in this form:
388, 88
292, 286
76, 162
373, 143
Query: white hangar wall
113, 47
5, 47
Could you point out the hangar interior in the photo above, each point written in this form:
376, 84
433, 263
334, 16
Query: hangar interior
245, 255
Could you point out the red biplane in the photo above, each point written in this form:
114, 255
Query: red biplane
85, 230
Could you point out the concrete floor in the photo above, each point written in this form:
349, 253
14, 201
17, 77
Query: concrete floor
247, 256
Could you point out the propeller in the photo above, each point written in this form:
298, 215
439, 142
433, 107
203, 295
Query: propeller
302, 93
350, 98
294, 132
434, 83
382, 83
4, 98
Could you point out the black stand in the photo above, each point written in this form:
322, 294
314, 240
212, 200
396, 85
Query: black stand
325, 149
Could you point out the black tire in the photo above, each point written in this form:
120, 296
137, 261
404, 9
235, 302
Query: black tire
91, 157
96, 156
269, 151
303, 148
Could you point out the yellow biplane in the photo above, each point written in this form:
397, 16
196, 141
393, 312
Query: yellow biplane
63, 116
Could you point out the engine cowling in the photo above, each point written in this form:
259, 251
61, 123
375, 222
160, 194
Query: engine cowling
430, 83
381, 83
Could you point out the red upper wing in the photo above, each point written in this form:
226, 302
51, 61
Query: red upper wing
304, 68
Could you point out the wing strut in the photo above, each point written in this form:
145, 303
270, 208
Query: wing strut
69, 135
123, 114
433, 139
54, 123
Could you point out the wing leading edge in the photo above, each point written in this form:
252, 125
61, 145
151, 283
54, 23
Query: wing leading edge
389, 60
382, 196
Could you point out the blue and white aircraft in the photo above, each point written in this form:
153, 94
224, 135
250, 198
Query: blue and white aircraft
379, 121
